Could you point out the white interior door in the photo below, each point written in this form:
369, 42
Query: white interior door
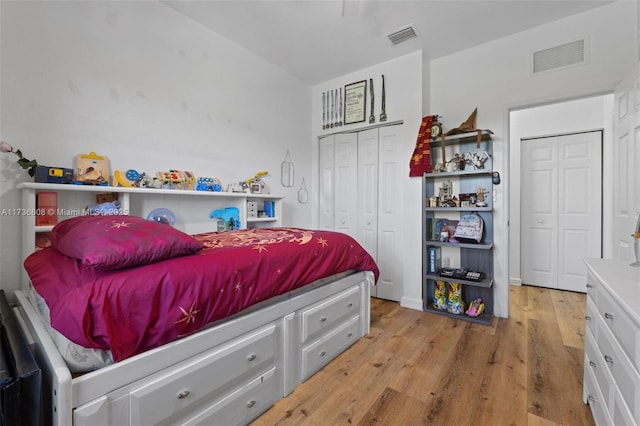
561, 208
539, 212
390, 248
367, 222
326, 184
346, 183
626, 190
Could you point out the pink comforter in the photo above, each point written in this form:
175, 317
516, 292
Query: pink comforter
132, 310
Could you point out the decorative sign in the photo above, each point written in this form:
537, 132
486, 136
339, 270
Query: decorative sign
355, 102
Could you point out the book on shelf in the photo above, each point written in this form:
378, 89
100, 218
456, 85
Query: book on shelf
270, 208
439, 225
434, 260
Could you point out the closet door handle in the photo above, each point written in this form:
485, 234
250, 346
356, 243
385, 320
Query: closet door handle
607, 315
608, 359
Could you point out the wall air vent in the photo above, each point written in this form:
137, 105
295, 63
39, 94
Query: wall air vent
402, 35
559, 56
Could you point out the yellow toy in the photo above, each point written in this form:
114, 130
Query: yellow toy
255, 184
440, 296
475, 308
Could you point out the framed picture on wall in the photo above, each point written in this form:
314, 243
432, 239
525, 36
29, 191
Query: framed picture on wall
355, 102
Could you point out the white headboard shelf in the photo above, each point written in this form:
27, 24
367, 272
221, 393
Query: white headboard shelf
191, 208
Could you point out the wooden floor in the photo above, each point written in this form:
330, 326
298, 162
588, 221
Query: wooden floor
419, 368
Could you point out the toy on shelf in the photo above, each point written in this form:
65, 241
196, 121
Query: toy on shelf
440, 296
230, 216
455, 304
476, 308
162, 215
176, 179
104, 209
131, 178
256, 185
92, 169
209, 184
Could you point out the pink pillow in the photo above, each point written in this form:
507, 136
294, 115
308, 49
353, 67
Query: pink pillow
114, 242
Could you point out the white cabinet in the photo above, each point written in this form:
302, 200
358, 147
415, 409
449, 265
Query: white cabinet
192, 208
361, 195
612, 342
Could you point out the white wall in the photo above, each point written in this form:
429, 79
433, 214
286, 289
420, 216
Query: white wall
593, 113
496, 77
150, 89
403, 86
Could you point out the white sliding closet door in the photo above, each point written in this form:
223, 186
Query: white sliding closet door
561, 208
367, 234
360, 195
346, 183
392, 167
326, 182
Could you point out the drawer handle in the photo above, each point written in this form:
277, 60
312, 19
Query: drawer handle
323, 353
592, 398
350, 334
587, 317
608, 359
251, 357
251, 403
323, 319
607, 315
350, 305
183, 394
589, 286
593, 364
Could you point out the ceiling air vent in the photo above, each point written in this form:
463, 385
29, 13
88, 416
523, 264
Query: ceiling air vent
402, 35
559, 56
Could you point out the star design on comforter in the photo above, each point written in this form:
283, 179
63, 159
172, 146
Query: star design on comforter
189, 316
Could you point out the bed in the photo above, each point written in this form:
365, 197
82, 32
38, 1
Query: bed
210, 328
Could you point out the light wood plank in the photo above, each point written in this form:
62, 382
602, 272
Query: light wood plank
419, 368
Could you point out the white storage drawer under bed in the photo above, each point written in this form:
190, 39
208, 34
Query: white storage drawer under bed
167, 396
319, 353
320, 318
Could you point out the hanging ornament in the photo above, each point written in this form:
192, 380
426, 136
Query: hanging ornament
286, 170
303, 194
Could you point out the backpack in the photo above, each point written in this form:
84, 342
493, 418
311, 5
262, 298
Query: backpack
470, 229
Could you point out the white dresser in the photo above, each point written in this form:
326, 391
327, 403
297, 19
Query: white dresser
612, 343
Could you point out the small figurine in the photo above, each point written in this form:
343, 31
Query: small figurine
480, 197
456, 163
476, 159
476, 308
104, 209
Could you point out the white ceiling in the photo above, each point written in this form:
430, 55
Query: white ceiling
315, 41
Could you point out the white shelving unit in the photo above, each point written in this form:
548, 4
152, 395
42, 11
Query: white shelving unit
191, 208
